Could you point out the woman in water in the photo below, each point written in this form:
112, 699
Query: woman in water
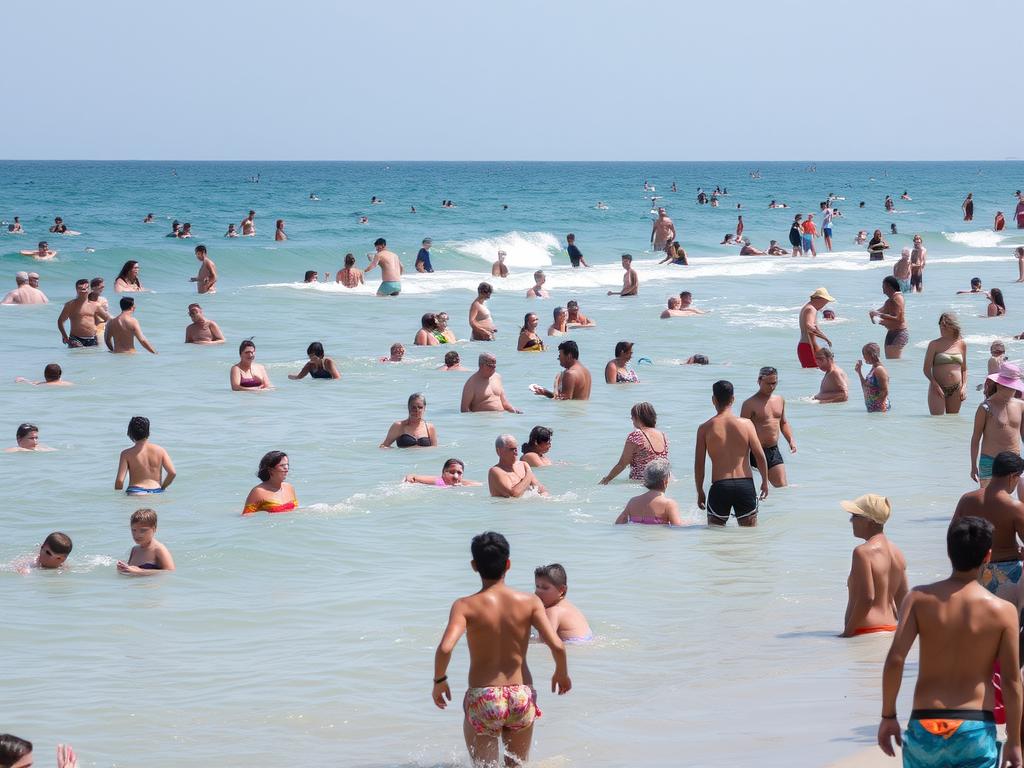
443, 333
675, 254
529, 341
480, 316
653, 507
796, 235
876, 383
996, 305
877, 246
451, 474
247, 375
319, 366
643, 444
534, 450
414, 431
426, 335
273, 494
279, 234
560, 326
945, 367
619, 371
128, 279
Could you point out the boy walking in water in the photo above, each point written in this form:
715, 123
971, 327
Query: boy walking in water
500, 703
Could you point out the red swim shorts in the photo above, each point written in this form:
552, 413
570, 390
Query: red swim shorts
805, 355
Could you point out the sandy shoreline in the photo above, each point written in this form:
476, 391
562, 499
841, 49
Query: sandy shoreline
869, 757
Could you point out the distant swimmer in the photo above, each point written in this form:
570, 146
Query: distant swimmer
774, 249
968, 207
279, 234
889, 204
796, 235
630, 281
15, 228
364, 220
319, 366
376, 201
412, 209
529, 341
673, 309
27, 437
767, 412
905, 196
148, 467
807, 347
729, 239
1018, 212
185, 232
827, 214
663, 231
451, 476
128, 278
918, 261
273, 495
206, 280
739, 227
748, 250
1000, 222
83, 314
59, 227
24, 293
877, 583
774, 204
426, 336
452, 362
390, 269
618, 370
248, 225
42, 253
52, 553
975, 287
481, 325
442, 332
575, 254
809, 232
652, 507
534, 451
601, 206
396, 354
414, 431
348, 275
202, 330
571, 384
892, 316
1019, 253
148, 557
232, 232
52, 374
538, 291
551, 586
510, 478
730, 441
314, 197
122, 331
498, 268
901, 270
892, 229
247, 375
835, 387
423, 257
149, 219
175, 229
560, 325
484, 391
577, 319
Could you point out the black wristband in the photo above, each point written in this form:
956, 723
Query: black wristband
893, 716
441, 679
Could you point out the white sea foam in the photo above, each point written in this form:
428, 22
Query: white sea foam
523, 249
982, 238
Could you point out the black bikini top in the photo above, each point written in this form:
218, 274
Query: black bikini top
408, 441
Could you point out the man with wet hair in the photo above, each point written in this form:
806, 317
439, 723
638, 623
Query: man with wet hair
768, 413
147, 465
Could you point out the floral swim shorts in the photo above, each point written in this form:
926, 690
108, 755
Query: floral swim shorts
492, 709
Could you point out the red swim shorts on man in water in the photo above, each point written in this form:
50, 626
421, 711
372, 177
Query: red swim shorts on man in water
805, 355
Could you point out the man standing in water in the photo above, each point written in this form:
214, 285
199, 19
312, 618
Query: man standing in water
630, 282
730, 441
500, 705
574, 382
121, 332
768, 413
82, 313
575, 254
248, 225
483, 391
390, 269
511, 478
968, 207
964, 630
663, 232
835, 387
202, 330
998, 422
206, 280
878, 575
892, 317
826, 223
807, 348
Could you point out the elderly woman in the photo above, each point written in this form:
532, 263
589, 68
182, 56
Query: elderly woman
247, 375
128, 278
319, 366
618, 370
451, 474
426, 335
534, 450
273, 494
529, 341
480, 321
414, 431
945, 367
443, 333
643, 444
653, 507
561, 324
876, 383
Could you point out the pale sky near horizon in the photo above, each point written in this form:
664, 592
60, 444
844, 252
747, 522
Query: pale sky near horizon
524, 80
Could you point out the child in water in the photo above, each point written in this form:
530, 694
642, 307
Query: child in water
566, 619
148, 555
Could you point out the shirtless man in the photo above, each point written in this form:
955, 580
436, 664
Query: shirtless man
511, 478
201, 330
500, 704
42, 253
730, 441
348, 275
24, 293
498, 268
481, 324
892, 317
122, 331
835, 387
206, 280
673, 309
995, 503
147, 465
538, 291
878, 575
483, 390
998, 422
768, 413
807, 348
390, 269
27, 437
574, 382
248, 225
901, 270
630, 282
663, 231
686, 304
577, 319
964, 630
83, 313
918, 261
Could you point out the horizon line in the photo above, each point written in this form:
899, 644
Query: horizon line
496, 160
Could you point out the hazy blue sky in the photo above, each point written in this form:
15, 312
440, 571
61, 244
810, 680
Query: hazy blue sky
544, 80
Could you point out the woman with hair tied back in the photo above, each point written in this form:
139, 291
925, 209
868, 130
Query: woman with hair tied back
414, 431
273, 494
643, 444
534, 450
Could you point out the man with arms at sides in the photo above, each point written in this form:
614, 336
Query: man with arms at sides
630, 282
82, 312
768, 413
483, 391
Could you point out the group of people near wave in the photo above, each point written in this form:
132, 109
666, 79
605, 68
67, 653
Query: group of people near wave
968, 624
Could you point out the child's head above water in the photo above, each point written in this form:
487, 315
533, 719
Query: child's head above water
551, 583
998, 349
143, 525
54, 550
490, 555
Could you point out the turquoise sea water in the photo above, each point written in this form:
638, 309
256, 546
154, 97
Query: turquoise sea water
309, 637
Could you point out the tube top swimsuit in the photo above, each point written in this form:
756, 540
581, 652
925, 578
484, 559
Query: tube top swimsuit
271, 505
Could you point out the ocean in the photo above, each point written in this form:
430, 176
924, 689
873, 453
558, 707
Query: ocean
309, 637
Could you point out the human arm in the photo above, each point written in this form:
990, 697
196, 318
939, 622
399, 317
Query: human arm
432, 434
467, 397
61, 319
560, 682
754, 443
625, 459
169, 473
699, 459
393, 434
673, 513
505, 404
1009, 658
236, 378
122, 472
441, 693
609, 372
861, 589
785, 429
503, 487
332, 368
373, 262
892, 676
980, 417
882, 378
302, 373
623, 517
137, 330
216, 337
107, 338
422, 479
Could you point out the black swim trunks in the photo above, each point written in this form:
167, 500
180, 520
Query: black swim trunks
771, 453
735, 495
898, 338
82, 341
916, 279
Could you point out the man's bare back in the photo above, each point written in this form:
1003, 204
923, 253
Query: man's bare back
144, 463
877, 585
1006, 514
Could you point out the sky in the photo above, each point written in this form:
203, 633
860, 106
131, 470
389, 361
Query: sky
513, 80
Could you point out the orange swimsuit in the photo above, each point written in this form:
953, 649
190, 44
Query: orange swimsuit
272, 506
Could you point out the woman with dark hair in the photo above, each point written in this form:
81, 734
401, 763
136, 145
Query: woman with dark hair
128, 278
642, 444
529, 341
534, 450
414, 431
483, 328
451, 475
877, 246
319, 366
619, 371
247, 375
426, 335
273, 494
996, 305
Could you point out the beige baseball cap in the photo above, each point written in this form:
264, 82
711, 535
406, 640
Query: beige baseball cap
872, 506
